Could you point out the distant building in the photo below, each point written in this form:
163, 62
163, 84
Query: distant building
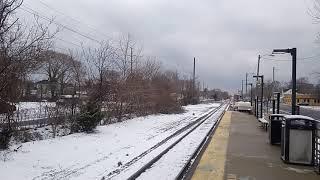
29, 91
305, 99
236, 97
44, 89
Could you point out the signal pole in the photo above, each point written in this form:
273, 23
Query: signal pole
261, 105
250, 84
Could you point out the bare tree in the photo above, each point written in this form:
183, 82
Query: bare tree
317, 90
123, 61
78, 73
21, 50
99, 62
150, 67
56, 117
57, 69
314, 11
305, 86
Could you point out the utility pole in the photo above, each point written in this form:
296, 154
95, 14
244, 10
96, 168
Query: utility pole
261, 106
273, 69
203, 90
194, 72
246, 83
293, 52
259, 57
242, 89
131, 55
258, 69
194, 81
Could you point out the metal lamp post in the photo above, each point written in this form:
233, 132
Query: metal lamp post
293, 52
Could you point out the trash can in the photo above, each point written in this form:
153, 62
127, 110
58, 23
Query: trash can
298, 139
275, 123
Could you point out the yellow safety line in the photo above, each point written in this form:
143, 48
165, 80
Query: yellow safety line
212, 163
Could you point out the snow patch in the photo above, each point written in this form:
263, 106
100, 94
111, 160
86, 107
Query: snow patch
88, 156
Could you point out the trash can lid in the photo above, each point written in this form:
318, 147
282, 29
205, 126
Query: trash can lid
299, 117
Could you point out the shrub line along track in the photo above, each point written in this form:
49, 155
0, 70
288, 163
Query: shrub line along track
199, 120
190, 163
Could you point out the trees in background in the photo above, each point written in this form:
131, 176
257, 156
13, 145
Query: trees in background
217, 94
270, 87
124, 83
21, 49
317, 90
21, 52
57, 69
122, 93
113, 80
304, 86
117, 89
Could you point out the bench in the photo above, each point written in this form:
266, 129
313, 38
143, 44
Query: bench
264, 123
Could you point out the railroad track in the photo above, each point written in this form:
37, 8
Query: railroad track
180, 135
187, 171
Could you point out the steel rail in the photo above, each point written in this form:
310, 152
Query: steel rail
187, 171
181, 130
160, 155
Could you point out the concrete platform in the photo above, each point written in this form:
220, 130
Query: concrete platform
240, 150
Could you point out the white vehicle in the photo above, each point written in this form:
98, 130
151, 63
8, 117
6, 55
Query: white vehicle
243, 106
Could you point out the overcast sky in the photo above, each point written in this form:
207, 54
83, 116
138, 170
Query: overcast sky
225, 36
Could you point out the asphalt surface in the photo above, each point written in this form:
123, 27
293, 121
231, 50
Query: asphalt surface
240, 150
251, 157
306, 112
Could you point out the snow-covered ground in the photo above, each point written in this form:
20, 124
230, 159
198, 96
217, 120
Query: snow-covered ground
169, 166
34, 105
316, 108
91, 156
32, 110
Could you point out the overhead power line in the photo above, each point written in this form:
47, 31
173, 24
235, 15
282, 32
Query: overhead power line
35, 13
310, 58
275, 59
72, 18
69, 42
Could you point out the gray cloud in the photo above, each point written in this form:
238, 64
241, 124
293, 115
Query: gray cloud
225, 36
